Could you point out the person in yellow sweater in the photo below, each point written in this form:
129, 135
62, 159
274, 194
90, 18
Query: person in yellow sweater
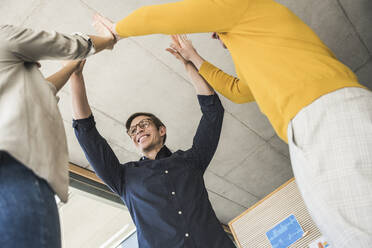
313, 101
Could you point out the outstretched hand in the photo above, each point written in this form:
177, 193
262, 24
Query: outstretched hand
79, 67
177, 55
76, 66
182, 49
108, 24
183, 46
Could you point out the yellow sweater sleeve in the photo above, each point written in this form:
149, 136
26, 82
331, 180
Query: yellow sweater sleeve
187, 16
230, 87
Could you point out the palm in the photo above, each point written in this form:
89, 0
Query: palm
107, 24
77, 66
183, 46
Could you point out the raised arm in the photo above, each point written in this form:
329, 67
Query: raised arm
96, 149
200, 85
208, 133
30, 46
230, 87
60, 78
207, 136
80, 105
187, 16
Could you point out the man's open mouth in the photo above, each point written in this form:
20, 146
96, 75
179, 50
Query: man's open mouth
142, 137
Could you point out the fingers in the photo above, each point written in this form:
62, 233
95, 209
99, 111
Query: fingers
75, 65
170, 50
173, 52
175, 47
180, 41
96, 17
103, 30
105, 20
184, 40
81, 66
176, 40
176, 54
72, 63
82, 63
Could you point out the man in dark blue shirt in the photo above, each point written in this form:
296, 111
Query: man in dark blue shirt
164, 191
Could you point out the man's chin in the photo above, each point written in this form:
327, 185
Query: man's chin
148, 147
145, 147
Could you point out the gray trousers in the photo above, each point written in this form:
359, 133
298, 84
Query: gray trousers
330, 143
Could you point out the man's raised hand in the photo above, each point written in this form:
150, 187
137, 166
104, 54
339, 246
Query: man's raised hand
183, 46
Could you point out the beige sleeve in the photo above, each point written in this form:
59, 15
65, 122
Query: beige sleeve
28, 45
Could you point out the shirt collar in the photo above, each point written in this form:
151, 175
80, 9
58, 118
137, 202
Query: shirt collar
163, 153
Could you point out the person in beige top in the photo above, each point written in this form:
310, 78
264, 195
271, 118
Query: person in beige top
33, 147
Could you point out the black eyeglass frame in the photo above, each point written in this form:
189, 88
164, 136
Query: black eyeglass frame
139, 124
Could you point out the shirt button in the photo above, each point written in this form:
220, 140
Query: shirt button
186, 235
179, 212
166, 172
173, 193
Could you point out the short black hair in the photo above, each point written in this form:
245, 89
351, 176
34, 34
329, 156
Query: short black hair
158, 123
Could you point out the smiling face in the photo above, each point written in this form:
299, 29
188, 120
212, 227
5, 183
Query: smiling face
145, 135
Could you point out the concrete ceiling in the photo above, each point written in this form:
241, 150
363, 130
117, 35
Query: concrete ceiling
139, 75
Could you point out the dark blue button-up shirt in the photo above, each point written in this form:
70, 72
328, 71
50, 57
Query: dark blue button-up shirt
166, 197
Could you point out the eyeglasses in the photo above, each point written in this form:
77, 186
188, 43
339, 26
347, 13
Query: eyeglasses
142, 124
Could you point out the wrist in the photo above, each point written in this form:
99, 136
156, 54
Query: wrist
77, 75
197, 60
111, 41
113, 30
188, 65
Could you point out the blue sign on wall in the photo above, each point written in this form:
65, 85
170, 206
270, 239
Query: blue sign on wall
285, 233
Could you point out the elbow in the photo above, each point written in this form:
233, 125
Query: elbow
10, 46
13, 37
